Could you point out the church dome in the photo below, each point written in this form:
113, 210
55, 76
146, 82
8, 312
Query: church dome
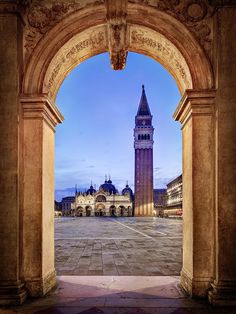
91, 190
127, 190
108, 187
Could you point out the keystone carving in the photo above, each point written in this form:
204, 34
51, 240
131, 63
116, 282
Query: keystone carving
41, 15
117, 32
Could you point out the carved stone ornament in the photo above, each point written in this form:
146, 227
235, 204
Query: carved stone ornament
156, 45
76, 50
117, 32
42, 15
196, 15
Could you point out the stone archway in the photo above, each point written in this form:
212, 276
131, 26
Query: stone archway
79, 211
54, 45
100, 210
112, 210
48, 66
50, 63
88, 211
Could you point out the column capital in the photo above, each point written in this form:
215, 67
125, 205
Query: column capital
40, 107
195, 102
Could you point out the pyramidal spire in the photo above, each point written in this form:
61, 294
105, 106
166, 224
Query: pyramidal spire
143, 109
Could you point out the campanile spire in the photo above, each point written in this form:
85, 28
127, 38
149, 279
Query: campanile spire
143, 146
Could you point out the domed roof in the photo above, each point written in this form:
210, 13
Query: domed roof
91, 190
128, 190
108, 187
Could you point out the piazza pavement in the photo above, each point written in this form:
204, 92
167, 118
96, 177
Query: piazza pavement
124, 246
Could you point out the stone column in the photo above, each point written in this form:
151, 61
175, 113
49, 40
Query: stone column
224, 286
40, 117
11, 288
196, 114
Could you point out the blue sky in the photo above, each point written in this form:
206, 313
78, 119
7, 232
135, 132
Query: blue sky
99, 106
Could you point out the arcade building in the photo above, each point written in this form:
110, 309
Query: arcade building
107, 201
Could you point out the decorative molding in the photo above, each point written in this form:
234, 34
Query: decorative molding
92, 42
76, 50
41, 16
41, 107
159, 46
196, 15
143, 39
195, 102
117, 32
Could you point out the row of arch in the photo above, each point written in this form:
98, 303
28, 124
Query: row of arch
144, 137
113, 211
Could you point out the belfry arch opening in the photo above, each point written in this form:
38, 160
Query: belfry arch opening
66, 45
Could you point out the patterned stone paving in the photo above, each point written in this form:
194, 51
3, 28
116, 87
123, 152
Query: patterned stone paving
118, 246
116, 295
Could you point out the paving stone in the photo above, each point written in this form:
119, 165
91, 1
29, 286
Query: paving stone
91, 245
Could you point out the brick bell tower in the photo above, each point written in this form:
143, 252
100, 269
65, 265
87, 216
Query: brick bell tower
143, 147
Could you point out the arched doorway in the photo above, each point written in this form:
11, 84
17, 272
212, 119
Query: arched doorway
113, 211
88, 211
122, 210
100, 210
167, 41
79, 212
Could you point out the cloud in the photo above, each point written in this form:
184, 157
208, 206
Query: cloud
161, 182
59, 194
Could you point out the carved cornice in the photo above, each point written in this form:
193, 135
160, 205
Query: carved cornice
40, 107
195, 102
117, 32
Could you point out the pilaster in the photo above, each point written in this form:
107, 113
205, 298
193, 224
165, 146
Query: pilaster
12, 290
223, 290
196, 114
39, 118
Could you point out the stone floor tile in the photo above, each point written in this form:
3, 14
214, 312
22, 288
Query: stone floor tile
114, 244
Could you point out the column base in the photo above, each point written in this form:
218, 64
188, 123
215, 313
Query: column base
197, 287
12, 294
223, 293
38, 287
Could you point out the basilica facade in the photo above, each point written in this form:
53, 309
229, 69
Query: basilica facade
107, 201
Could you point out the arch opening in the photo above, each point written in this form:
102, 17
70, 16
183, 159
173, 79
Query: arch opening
49, 66
51, 62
